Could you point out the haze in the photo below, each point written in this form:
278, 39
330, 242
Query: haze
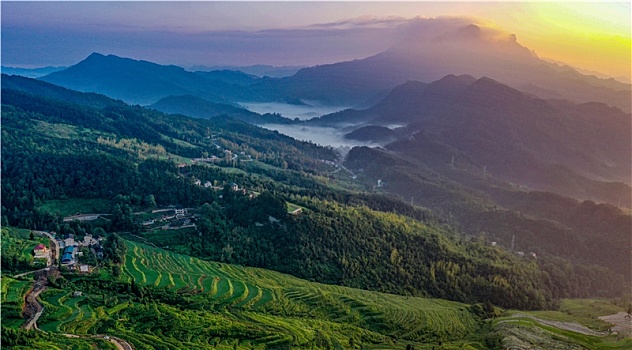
583, 35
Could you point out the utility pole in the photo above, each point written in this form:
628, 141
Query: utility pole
513, 239
411, 200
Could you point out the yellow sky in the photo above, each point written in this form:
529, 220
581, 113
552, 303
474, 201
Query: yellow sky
588, 35
594, 36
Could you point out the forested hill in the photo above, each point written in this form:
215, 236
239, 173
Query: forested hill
136, 159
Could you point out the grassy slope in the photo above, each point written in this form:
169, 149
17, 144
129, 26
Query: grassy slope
256, 307
68, 207
524, 332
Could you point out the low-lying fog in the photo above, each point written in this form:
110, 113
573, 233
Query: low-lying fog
305, 111
323, 136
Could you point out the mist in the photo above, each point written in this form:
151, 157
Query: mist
324, 136
302, 112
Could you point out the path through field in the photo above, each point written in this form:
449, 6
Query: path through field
569, 326
32, 308
622, 324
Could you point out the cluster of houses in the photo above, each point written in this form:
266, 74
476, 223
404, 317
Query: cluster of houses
207, 184
71, 252
177, 219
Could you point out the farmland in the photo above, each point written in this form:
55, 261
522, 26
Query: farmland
526, 333
184, 301
227, 306
13, 292
17, 250
67, 207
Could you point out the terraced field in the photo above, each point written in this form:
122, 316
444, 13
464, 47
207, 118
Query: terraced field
227, 306
13, 292
529, 333
235, 288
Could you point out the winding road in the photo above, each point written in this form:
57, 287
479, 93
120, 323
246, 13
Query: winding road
32, 304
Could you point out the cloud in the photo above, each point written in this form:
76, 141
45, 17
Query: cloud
330, 42
363, 22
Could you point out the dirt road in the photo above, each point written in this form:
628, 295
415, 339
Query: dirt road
569, 326
622, 324
32, 308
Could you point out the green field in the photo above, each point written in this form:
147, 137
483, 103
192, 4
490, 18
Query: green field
524, 332
13, 292
254, 308
68, 207
226, 306
265, 292
18, 248
291, 207
582, 311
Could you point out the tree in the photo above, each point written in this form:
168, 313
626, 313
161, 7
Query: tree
150, 201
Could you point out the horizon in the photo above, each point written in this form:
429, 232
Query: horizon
244, 34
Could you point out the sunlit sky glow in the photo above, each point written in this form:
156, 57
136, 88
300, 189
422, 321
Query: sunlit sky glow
592, 36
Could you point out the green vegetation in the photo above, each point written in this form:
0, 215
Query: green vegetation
526, 332
291, 207
17, 250
20, 339
13, 292
246, 306
74, 206
583, 311
353, 270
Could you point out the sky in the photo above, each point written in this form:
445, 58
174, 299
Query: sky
593, 36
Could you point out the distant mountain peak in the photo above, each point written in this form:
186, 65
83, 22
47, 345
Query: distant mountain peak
491, 87
96, 54
452, 81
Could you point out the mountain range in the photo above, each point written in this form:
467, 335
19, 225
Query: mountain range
64, 149
142, 82
579, 150
361, 82
576, 149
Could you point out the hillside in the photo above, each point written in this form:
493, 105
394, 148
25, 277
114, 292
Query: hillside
465, 50
535, 143
372, 133
142, 82
543, 223
198, 107
237, 181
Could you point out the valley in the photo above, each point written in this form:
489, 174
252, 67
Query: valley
451, 189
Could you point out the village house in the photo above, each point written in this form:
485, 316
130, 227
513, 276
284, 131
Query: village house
40, 251
208, 184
